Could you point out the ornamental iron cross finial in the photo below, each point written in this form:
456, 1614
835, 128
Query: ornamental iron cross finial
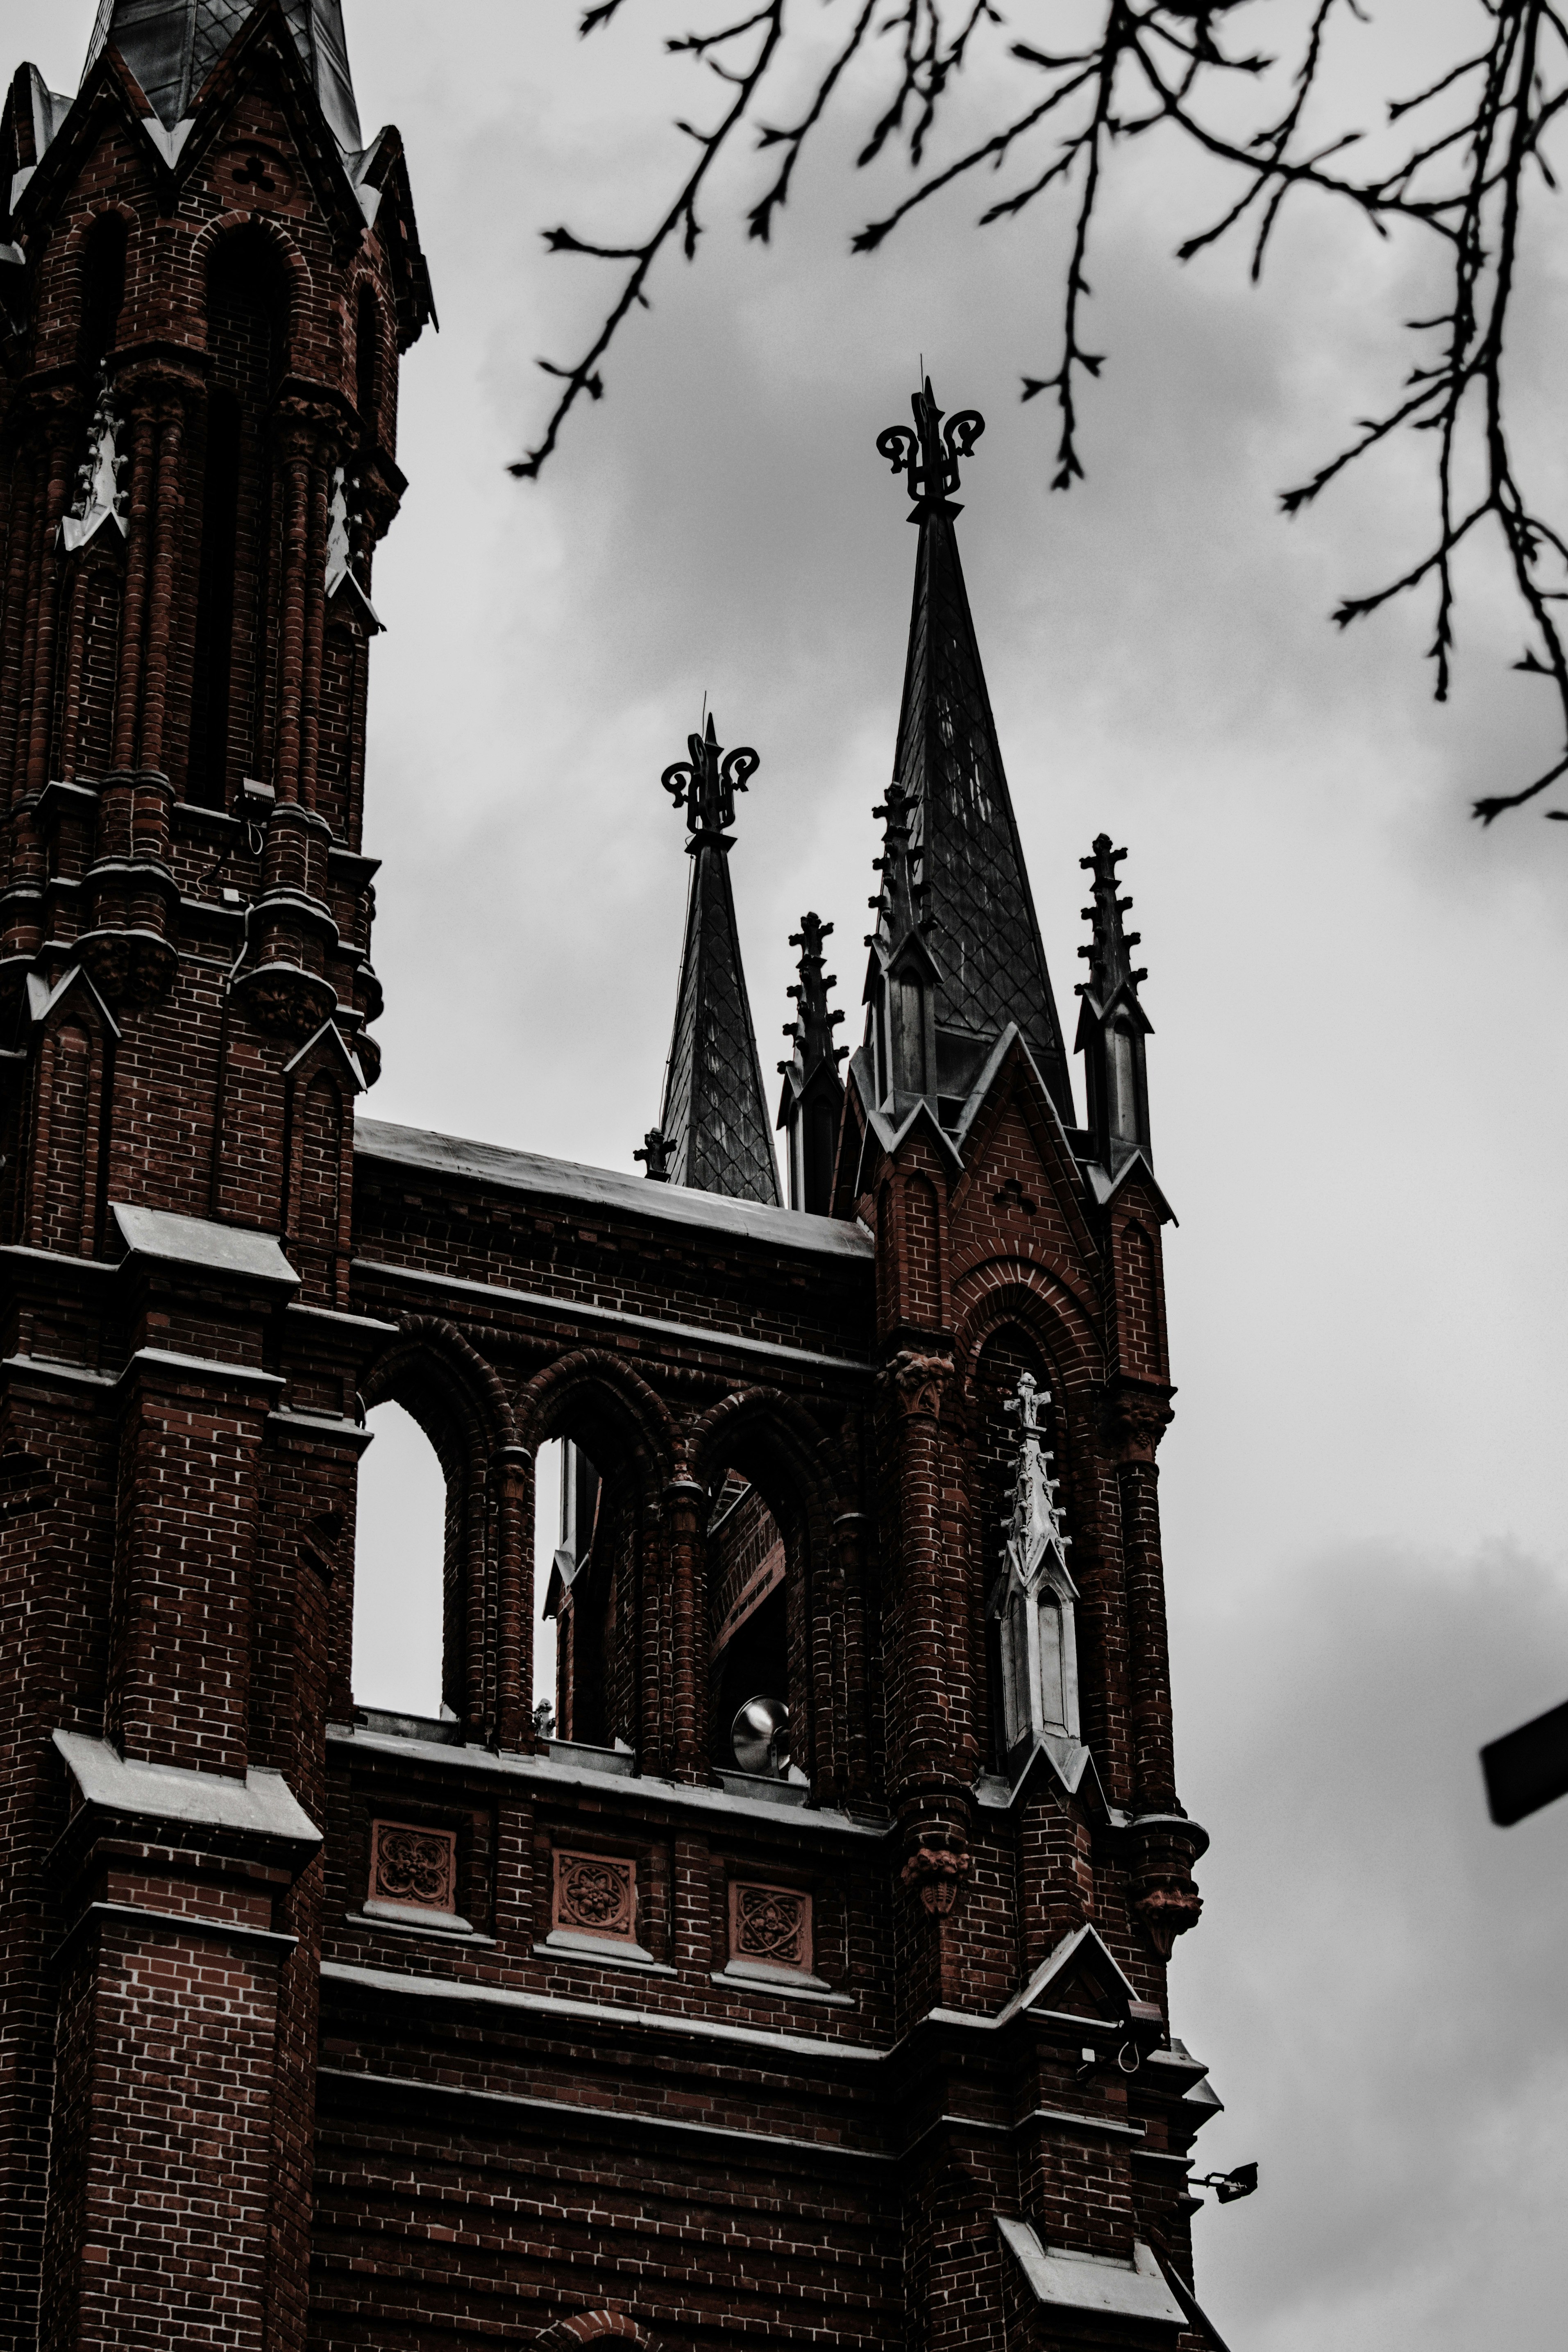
706, 784
929, 456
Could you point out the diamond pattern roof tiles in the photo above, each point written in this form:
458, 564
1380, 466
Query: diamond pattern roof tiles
172, 45
714, 1117
979, 911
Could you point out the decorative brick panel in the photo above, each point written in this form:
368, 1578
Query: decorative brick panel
595, 1895
415, 1866
769, 1927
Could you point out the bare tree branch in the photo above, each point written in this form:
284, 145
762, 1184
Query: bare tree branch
1474, 129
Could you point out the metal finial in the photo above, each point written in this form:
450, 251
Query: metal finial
705, 785
929, 456
655, 1155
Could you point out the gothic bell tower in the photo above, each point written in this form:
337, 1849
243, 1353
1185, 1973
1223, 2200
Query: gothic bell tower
207, 276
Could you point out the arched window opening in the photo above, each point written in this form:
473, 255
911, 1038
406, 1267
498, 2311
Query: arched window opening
581, 1540
754, 1727
245, 308
103, 287
550, 1582
367, 364
400, 1544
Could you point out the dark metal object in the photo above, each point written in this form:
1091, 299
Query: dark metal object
706, 784
1228, 2186
929, 456
760, 1737
1527, 1768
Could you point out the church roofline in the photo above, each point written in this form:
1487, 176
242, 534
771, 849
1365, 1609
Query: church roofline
608, 1189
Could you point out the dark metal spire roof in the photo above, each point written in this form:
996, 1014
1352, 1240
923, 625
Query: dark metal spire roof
714, 1128
172, 45
978, 909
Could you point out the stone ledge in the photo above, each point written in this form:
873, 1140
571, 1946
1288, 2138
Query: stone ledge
1066, 2280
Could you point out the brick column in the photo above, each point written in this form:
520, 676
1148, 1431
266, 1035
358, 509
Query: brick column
512, 1474
185, 1537
851, 1694
1166, 1843
927, 1696
168, 525
138, 566
64, 429
686, 1506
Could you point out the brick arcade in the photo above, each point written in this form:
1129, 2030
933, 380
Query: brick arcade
804, 1981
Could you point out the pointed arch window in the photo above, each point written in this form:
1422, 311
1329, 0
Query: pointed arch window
103, 287
368, 364
245, 307
748, 1569
400, 1544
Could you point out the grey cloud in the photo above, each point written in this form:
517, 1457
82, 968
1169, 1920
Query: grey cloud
1359, 1072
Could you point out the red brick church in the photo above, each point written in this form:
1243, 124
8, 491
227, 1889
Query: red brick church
798, 1974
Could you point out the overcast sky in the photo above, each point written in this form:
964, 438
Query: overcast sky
1358, 1077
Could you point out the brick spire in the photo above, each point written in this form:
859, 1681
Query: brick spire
978, 907
172, 45
714, 1125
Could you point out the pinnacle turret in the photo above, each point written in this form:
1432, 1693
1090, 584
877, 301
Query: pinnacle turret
813, 1098
1112, 1024
713, 1132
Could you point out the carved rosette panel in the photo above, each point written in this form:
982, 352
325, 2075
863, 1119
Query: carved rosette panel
595, 1895
771, 1925
414, 1865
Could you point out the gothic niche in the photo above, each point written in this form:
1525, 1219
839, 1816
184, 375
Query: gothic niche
1033, 1599
749, 1614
